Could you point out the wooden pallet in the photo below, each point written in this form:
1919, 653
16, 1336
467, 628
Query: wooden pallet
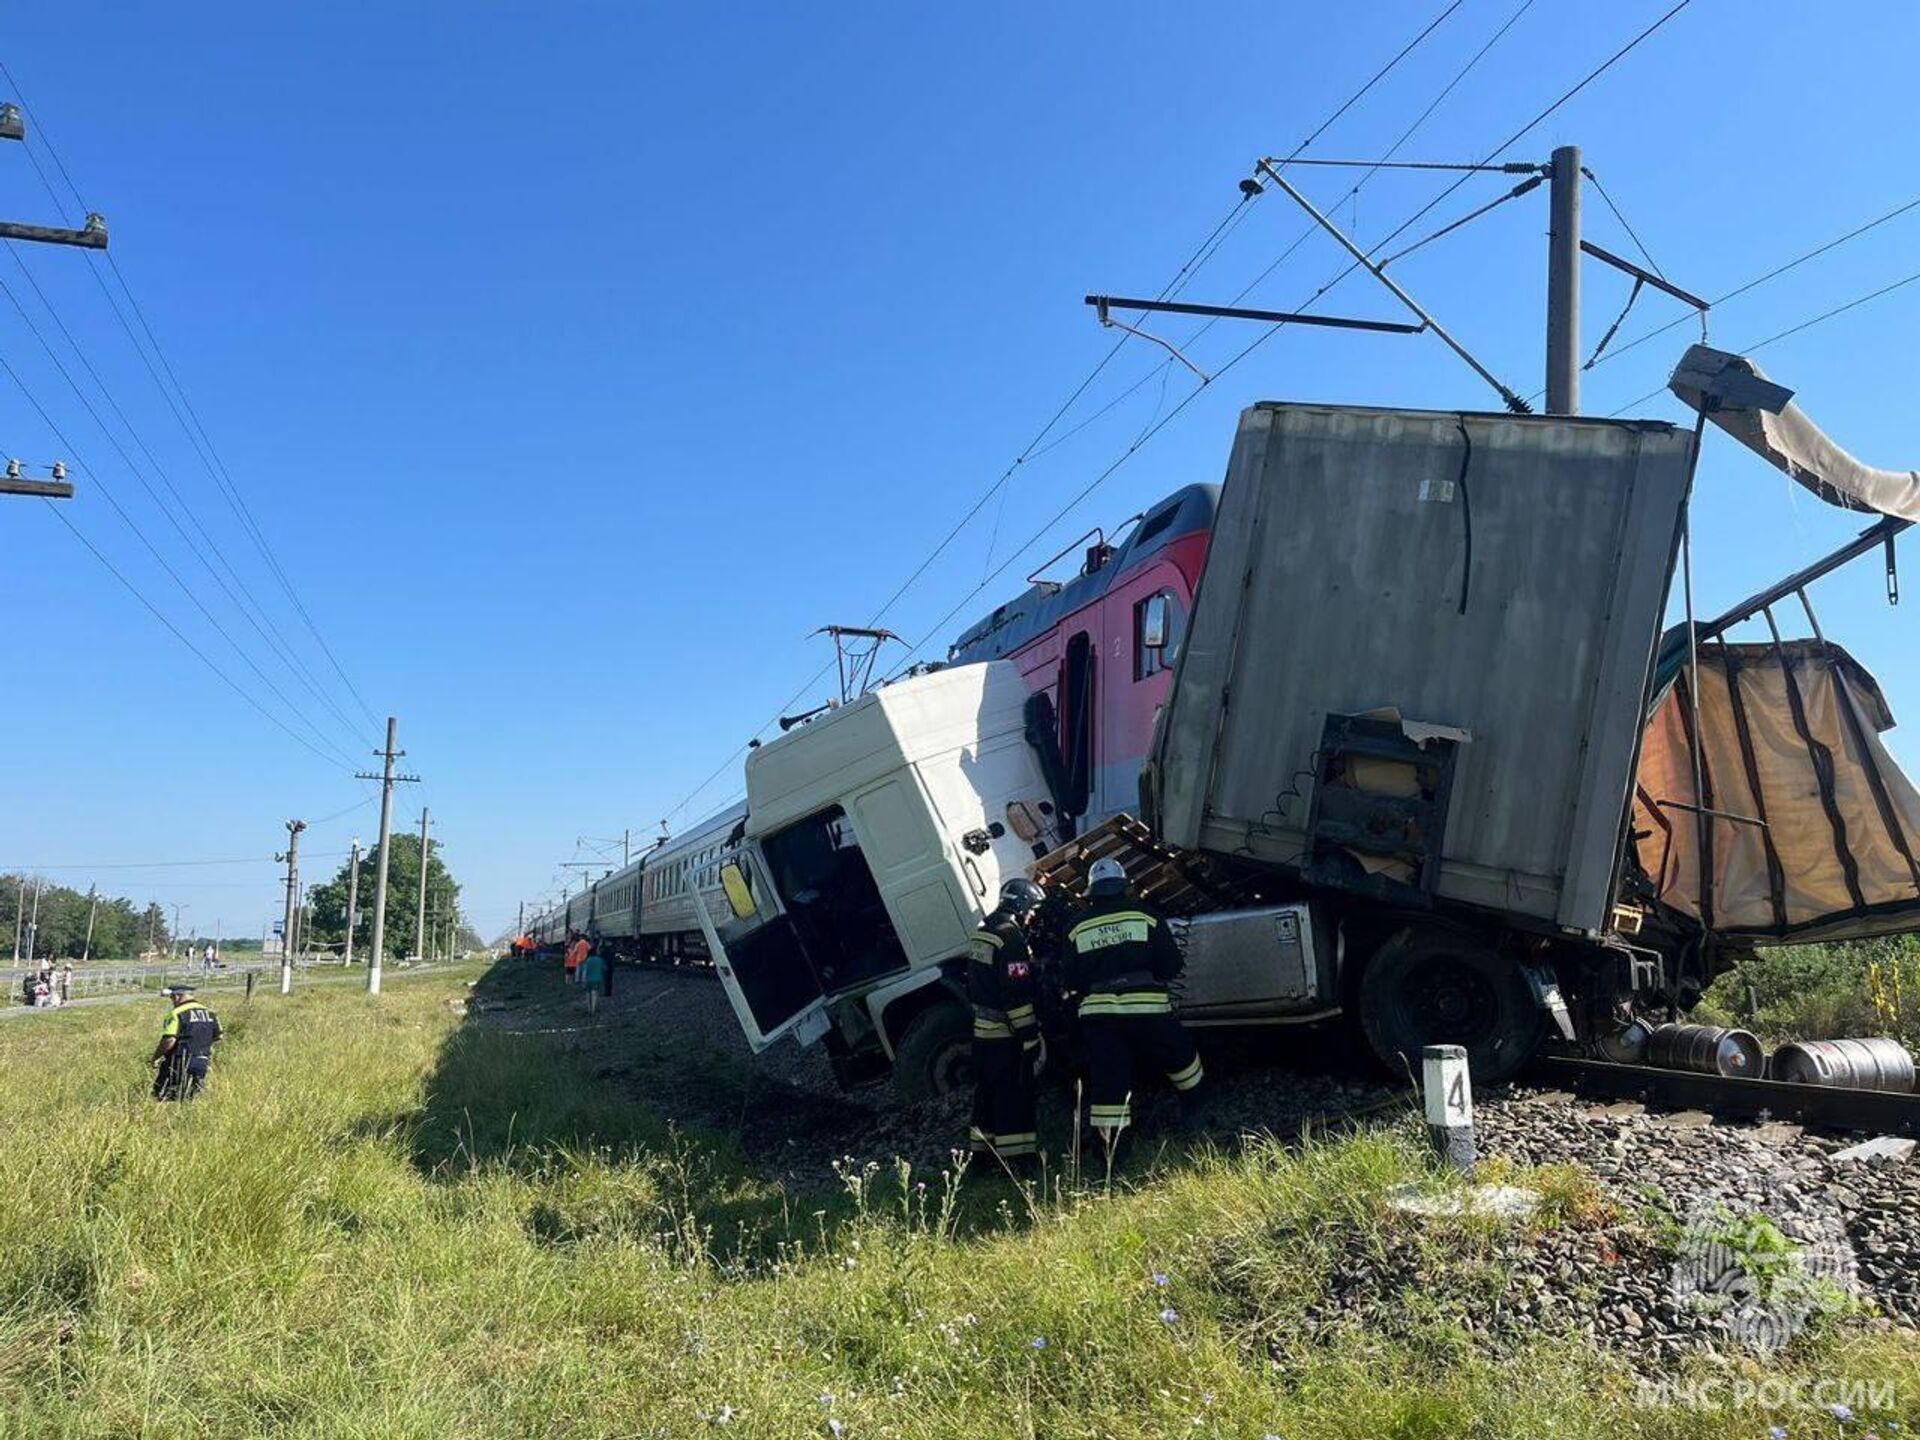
1178, 882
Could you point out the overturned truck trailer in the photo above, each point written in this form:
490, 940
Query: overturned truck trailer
1424, 694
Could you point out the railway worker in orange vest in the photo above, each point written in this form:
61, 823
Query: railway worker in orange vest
576, 952
1121, 959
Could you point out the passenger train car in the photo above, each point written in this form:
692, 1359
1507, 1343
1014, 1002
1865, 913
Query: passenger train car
645, 911
1097, 654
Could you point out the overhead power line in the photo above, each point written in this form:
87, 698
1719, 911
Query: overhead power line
1201, 255
1268, 334
177, 634
199, 550
183, 410
1773, 274
1820, 319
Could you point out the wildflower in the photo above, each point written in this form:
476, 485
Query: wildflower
725, 1417
1159, 1280
1169, 1316
848, 1263
1777, 1432
826, 1399
1039, 1342
835, 1428
969, 1319
1842, 1413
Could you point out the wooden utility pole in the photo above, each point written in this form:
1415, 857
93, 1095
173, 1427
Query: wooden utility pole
292, 857
33, 923
420, 916
387, 781
93, 905
20, 920
353, 897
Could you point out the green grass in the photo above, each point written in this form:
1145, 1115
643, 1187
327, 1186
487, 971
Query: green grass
385, 1222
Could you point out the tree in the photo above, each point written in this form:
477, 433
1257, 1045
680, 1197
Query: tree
119, 931
329, 900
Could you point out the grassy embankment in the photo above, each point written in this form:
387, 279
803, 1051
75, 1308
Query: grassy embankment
1819, 992
383, 1221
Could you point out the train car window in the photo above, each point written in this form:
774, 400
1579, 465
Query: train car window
1156, 634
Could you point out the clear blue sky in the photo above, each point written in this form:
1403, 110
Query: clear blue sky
579, 359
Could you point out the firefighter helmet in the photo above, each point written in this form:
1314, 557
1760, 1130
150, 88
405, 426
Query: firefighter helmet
1020, 896
1107, 874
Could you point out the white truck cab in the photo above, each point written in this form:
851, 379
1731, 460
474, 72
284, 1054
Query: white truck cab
877, 837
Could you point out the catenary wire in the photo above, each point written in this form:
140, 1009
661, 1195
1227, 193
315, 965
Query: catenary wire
1204, 252
1773, 274
1272, 330
1819, 319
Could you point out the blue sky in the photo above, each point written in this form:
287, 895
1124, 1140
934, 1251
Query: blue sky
579, 359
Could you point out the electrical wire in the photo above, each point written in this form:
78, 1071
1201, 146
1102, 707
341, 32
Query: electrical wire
271, 632
209, 456
1272, 330
175, 630
199, 550
1757, 345
1205, 252
1773, 274
106, 492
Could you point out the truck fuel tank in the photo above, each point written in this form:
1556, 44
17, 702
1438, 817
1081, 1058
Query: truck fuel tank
1255, 964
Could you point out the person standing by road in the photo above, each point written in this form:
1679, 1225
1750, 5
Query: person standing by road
576, 953
1121, 960
185, 1048
66, 983
1006, 1031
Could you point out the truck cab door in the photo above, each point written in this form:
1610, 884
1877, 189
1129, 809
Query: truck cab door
756, 952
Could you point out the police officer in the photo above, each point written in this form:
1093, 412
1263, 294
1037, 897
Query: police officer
1006, 1031
186, 1046
1121, 959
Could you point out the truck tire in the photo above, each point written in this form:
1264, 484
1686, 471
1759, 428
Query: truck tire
935, 1055
1436, 986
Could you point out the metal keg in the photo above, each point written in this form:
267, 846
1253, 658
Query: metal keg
1706, 1050
1879, 1063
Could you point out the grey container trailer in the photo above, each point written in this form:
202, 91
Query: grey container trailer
1489, 589
1413, 689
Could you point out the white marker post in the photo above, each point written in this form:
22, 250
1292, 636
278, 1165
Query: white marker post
1449, 1094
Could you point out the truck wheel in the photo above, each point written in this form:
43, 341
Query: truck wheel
1445, 987
935, 1056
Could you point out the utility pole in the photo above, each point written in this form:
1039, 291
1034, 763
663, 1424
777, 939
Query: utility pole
420, 917
1563, 283
387, 781
20, 919
292, 857
353, 897
33, 925
518, 930
173, 947
626, 847
93, 904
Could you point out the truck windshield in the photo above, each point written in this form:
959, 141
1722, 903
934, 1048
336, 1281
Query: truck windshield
836, 909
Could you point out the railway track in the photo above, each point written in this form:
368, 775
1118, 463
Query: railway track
1827, 1107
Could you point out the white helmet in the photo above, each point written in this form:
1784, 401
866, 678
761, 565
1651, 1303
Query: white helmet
1106, 872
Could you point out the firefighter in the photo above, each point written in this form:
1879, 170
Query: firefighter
1006, 1031
1121, 959
186, 1046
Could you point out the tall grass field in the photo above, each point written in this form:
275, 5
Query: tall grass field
385, 1220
